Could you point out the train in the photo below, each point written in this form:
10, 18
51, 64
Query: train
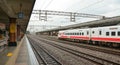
108, 35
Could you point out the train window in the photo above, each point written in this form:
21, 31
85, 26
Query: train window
118, 33
87, 33
93, 32
82, 33
73, 33
107, 33
67, 33
113, 33
77, 33
100, 32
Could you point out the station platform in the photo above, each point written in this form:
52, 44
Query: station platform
20, 55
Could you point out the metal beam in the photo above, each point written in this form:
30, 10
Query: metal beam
43, 14
43, 25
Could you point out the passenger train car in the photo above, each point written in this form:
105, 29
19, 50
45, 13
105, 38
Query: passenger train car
109, 35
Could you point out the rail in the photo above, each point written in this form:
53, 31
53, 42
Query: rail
80, 54
44, 56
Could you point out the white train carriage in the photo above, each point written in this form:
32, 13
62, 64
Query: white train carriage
110, 34
61, 35
75, 34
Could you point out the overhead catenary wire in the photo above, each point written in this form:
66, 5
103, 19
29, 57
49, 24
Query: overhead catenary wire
73, 5
48, 4
88, 6
42, 4
91, 5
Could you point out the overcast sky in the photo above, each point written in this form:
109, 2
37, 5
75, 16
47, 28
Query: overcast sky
108, 8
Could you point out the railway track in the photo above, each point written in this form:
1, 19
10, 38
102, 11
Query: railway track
99, 61
43, 56
91, 47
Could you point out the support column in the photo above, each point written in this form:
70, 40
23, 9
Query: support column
12, 32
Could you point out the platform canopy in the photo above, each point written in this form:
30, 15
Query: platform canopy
20, 9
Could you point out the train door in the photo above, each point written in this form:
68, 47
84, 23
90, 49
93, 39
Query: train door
90, 34
99, 33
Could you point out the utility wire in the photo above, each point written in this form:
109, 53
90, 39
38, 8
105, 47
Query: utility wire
43, 4
91, 5
48, 4
72, 5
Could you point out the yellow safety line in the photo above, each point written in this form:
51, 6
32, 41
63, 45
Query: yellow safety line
13, 58
9, 54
